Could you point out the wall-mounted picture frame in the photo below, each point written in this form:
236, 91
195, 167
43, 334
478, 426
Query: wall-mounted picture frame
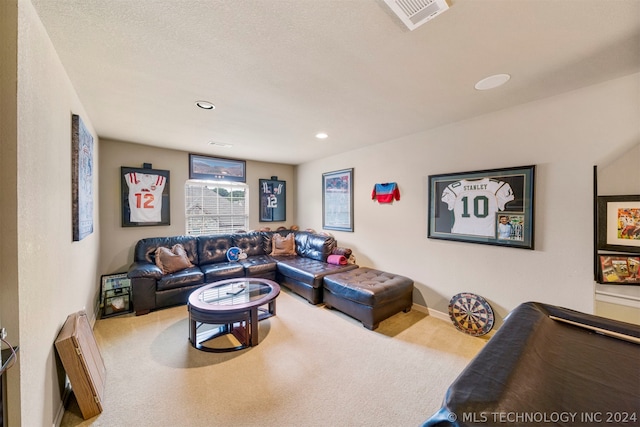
337, 200
216, 168
273, 200
619, 269
619, 223
493, 207
81, 179
145, 197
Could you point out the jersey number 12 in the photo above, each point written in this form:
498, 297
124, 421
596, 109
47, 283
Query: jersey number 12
144, 200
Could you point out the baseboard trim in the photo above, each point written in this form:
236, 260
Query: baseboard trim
66, 394
431, 312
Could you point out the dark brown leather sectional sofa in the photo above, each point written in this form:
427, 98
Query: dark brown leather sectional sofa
303, 273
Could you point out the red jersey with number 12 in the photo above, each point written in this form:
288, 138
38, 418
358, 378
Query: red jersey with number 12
145, 196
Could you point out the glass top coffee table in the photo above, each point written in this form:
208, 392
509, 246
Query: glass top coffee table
230, 308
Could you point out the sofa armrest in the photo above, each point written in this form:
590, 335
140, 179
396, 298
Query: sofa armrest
338, 250
145, 270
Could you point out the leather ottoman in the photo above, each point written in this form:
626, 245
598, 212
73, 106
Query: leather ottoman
368, 295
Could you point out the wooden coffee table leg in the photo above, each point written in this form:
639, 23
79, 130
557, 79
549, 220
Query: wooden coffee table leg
192, 332
253, 321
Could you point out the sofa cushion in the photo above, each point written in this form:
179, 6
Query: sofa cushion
188, 277
283, 246
251, 244
172, 260
259, 266
214, 248
314, 246
221, 271
307, 270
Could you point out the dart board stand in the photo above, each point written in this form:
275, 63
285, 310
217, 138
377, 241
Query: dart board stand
471, 314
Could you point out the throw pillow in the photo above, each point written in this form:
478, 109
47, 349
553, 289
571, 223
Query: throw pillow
283, 245
172, 260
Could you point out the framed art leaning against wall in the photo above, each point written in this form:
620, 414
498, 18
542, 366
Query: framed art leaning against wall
493, 207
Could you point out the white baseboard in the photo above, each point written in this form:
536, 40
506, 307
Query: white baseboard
431, 312
66, 394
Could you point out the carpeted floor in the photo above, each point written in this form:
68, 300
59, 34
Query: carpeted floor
313, 367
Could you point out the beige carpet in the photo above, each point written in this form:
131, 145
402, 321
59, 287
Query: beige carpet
313, 367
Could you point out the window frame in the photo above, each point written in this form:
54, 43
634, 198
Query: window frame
231, 223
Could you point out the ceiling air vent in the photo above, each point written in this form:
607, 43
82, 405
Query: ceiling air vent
416, 12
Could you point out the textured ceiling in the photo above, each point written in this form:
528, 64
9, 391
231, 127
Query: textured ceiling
279, 71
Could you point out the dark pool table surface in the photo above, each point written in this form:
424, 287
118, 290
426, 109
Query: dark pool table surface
549, 366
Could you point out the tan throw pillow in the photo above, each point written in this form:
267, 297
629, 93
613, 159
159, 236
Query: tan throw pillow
283, 245
172, 260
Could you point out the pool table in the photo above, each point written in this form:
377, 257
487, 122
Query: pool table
549, 366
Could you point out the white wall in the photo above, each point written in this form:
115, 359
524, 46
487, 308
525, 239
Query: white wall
564, 136
56, 276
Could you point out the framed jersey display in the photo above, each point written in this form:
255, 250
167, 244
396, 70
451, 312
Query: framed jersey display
145, 197
493, 207
273, 200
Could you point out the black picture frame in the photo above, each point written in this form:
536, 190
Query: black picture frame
217, 168
497, 193
273, 200
612, 227
145, 187
337, 200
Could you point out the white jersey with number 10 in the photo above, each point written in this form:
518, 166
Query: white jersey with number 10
145, 196
474, 204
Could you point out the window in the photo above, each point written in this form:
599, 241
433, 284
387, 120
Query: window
216, 207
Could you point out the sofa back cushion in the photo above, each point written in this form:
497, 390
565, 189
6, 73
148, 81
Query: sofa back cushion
314, 246
214, 248
251, 243
145, 249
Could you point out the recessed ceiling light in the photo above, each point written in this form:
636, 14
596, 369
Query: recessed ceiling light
205, 105
220, 144
322, 135
492, 82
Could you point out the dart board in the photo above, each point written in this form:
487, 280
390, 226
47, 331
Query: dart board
471, 314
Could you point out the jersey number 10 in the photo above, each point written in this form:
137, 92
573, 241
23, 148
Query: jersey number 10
480, 207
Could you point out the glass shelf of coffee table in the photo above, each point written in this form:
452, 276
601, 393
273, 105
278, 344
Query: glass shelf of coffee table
230, 308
